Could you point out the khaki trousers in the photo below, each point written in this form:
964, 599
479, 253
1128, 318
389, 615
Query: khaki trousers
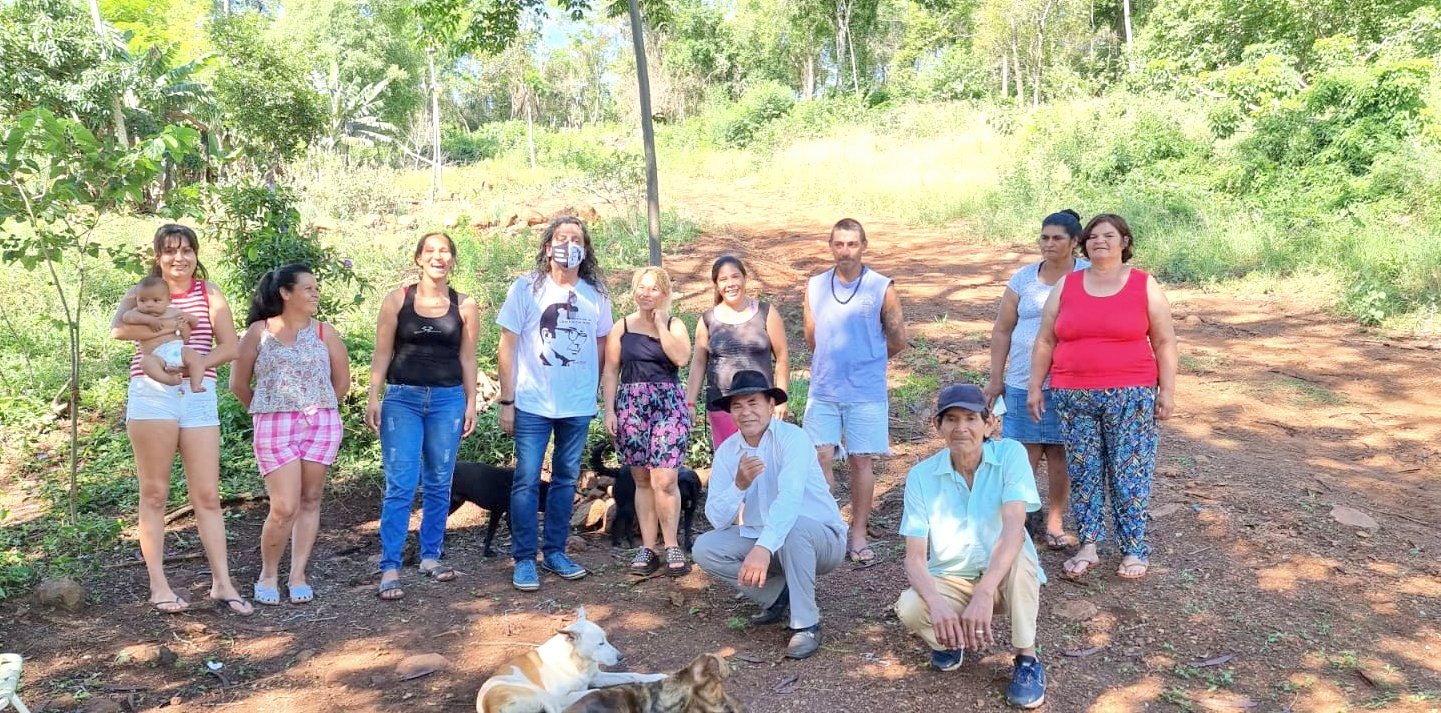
1019, 597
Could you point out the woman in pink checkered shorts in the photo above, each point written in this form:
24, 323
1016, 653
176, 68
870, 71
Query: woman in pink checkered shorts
300, 370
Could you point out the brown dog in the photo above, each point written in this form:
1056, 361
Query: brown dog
697, 688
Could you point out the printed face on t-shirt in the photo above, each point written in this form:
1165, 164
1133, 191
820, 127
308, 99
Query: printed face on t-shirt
562, 334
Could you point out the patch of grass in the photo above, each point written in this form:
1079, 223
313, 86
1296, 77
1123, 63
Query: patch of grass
1297, 393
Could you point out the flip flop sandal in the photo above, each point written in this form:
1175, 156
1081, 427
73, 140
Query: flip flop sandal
864, 555
171, 606
1064, 540
269, 596
645, 563
440, 573
227, 606
390, 586
301, 593
1079, 571
1145, 566
676, 556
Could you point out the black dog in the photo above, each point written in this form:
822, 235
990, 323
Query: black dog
625, 525
487, 486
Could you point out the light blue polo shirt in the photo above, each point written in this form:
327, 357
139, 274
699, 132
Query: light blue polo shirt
962, 524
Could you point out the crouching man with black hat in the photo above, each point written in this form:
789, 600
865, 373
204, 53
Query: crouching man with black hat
776, 525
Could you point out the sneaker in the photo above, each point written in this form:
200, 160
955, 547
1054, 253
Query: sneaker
775, 613
561, 566
526, 578
804, 642
947, 659
1028, 683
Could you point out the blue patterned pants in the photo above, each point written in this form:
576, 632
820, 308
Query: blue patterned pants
1110, 437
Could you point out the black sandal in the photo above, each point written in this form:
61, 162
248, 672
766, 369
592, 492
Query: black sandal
645, 562
676, 556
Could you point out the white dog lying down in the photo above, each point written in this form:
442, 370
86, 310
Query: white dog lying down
556, 673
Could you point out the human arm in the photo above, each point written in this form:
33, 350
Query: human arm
1041, 351
222, 325
781, 378
699, 362
976, 618
1006, 317
339, 363
808, 321
610, 378
893, 322
944, 618
136, 317
1163, 343
380, 358
469, 335
723, 496
243, 370
674, 338
505, 359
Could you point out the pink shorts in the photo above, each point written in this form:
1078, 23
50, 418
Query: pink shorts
722, 426
288, 436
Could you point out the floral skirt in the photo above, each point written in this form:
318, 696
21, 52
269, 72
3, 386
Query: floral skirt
652, 424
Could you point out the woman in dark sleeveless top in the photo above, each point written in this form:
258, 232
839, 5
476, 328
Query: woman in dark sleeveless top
645, 413
425, 357
738, 334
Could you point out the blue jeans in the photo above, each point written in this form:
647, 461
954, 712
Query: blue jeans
420, 429
532, 433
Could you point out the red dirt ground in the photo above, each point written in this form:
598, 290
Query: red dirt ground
1257, 598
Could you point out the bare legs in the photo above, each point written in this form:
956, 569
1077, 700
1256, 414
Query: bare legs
1058, 483
295, 491
657, 506
863, 492
200, 456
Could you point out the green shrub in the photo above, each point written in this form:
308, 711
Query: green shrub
758, 106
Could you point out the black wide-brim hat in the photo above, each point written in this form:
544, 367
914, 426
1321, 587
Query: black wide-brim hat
744, 383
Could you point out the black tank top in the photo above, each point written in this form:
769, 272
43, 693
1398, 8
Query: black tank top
427, 349
643, 359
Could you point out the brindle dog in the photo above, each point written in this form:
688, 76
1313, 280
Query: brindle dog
697, 688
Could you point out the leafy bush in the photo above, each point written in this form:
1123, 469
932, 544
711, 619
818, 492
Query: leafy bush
486, 142
758, 106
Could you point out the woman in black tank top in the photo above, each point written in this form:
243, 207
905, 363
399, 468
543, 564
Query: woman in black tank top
645, 413
425, 358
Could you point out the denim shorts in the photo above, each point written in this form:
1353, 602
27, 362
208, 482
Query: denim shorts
860, 427
1017, 424
150, 400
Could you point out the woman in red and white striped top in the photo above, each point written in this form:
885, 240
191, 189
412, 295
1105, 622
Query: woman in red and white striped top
163, 419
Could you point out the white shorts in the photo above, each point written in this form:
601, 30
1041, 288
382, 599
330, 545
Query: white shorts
150, 400
170, 352
862, 428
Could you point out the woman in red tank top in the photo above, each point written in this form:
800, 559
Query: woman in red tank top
161, 420
1108, 344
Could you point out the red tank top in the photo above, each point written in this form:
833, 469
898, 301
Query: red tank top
1103, 342
193, 301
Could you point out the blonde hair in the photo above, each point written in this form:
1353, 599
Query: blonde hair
662, 280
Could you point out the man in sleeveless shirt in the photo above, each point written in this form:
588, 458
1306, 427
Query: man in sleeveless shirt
552, 344
853, 325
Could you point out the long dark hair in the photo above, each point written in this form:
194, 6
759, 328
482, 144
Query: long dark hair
715, 269
267, 301
589, 267
171, 234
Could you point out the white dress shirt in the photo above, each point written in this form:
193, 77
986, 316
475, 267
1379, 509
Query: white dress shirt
791, 485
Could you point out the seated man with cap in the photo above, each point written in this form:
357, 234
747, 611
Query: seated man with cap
776, 525
967, 553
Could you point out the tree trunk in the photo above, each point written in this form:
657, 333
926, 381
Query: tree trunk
1020, 75
530, 131
117, 107
647, 133
1130, 46
808, 78
435, 163
1005, 77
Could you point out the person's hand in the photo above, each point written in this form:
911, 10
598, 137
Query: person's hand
372, 414
755, 567
946, 622
1036, 403
1165, 404
469, 419
749, 469
992, 391
610, 423
976, 620
780, 412
184, 328
507, 419
662, 321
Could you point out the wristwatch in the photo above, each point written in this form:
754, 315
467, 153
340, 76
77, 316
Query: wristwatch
506, 402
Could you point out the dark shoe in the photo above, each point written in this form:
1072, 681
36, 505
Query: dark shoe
675, 564
645, 562
775, 613
561, 566
525, 578
1028, 683
804, 642
947, 659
